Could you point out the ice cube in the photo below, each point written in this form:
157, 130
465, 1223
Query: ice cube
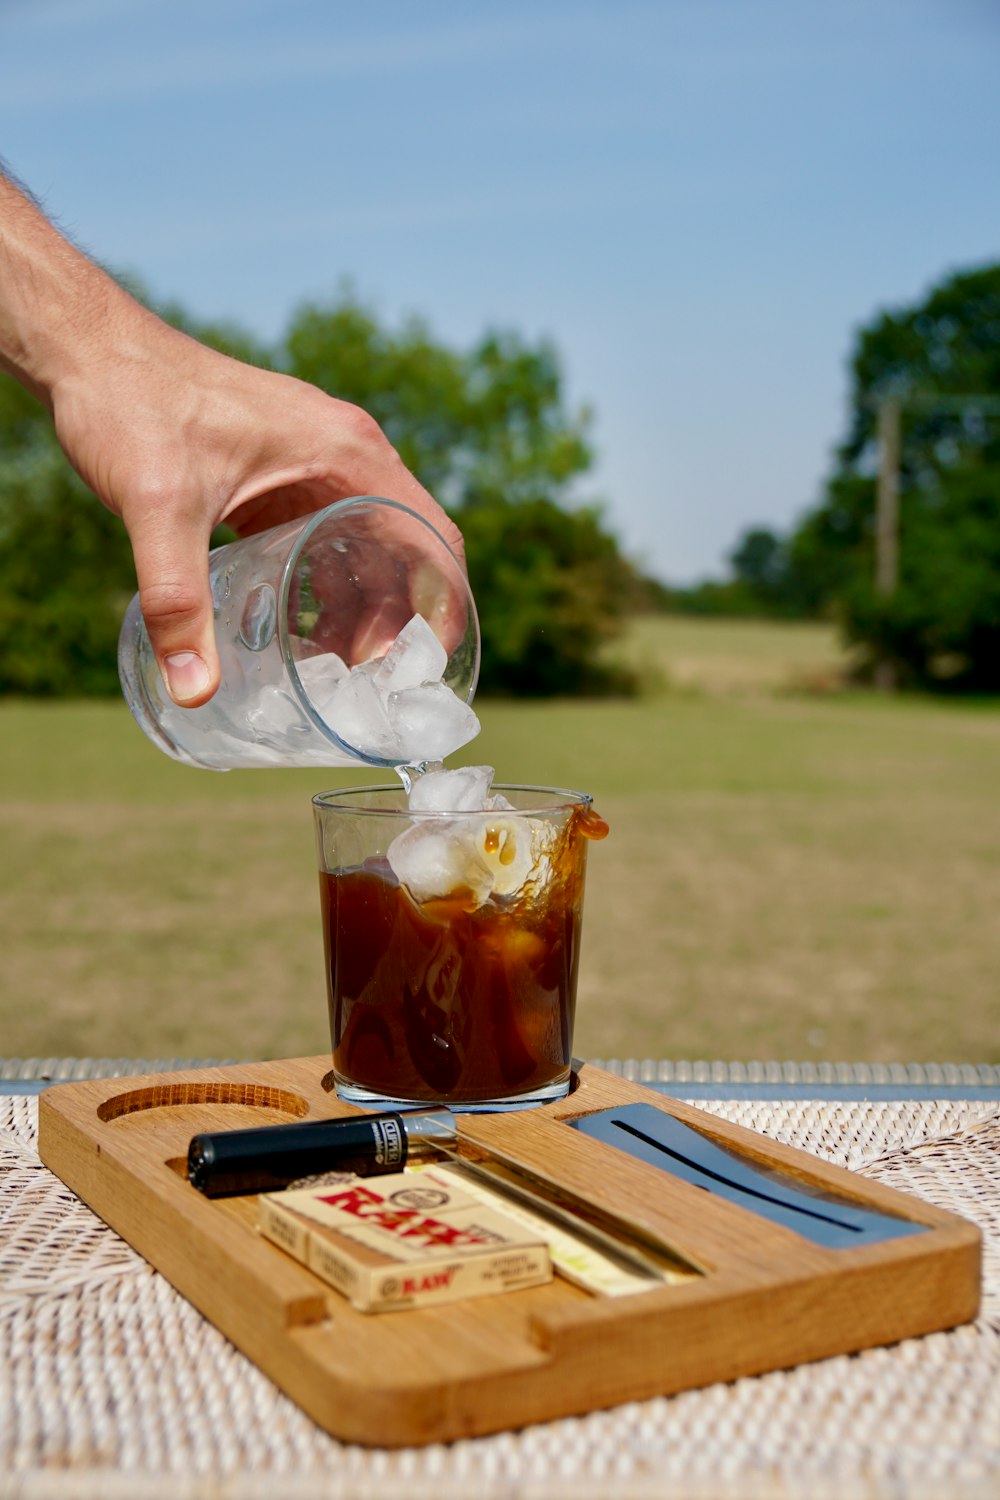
219, 751
321, 667
415, 657
437, 858
484, 855
463, 790
471, 846
320, 677
276, 717
507, 848
357, 715
430, 722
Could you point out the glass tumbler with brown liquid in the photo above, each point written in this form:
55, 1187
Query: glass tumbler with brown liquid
453, 945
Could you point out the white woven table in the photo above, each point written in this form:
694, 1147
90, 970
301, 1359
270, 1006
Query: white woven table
112, 1385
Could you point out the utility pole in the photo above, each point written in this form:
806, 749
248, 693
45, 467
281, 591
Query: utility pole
887, 518
889, 425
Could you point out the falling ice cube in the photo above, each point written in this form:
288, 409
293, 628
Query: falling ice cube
462, 790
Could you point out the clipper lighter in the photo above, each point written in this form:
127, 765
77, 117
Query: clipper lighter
269, 1158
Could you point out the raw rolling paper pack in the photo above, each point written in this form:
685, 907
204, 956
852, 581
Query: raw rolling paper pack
404, 1240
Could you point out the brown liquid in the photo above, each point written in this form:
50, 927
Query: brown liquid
444, 1000
591, 825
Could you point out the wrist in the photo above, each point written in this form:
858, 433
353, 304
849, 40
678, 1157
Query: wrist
100, 332
57, 304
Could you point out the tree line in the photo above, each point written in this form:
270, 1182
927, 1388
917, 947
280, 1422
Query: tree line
939, 627
487, 430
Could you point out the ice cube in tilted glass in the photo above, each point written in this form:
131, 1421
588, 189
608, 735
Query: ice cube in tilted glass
357, 715
320, 677
430, 722
415, 657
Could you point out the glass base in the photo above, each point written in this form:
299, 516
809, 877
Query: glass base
354, 1093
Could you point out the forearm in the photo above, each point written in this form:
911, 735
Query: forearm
173, 436
55, 304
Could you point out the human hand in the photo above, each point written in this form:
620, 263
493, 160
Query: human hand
176, 438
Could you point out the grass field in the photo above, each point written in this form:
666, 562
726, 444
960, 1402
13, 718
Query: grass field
790, 873
727, 657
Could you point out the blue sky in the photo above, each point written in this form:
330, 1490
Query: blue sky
698, 201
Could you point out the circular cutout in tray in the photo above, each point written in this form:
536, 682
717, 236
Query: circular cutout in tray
197, 1091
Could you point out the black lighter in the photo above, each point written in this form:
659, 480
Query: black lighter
269, 1157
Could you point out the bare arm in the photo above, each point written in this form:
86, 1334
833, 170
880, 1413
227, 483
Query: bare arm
174, 437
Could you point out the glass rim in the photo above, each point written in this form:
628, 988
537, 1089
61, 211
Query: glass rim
562, 799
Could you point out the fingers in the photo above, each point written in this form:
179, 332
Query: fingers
373, 467
296, 456
317, 450
413, 495
406, 571
171, 560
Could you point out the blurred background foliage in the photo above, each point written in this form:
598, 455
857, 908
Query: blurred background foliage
489, 432
941, 626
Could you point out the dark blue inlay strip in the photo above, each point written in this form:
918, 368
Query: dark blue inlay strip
656, 1137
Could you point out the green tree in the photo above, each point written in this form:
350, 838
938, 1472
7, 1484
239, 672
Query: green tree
947, 345
758, 561
487, 424
486, 429
552, 589
771, 576
66, 569
942, 624
941, 627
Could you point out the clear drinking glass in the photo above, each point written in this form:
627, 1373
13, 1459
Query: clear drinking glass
296, 608
465, 998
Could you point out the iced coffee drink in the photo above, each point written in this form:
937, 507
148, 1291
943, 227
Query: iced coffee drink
452, 929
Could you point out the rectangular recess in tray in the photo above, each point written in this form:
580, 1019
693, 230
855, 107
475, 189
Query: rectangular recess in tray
769, 1296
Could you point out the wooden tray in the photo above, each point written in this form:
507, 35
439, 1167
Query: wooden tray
770, 1298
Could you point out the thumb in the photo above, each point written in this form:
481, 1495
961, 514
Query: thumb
171, 563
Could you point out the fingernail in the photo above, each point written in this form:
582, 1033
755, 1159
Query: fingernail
187, 676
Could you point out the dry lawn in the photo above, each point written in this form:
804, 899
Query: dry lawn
734, 657
787, 876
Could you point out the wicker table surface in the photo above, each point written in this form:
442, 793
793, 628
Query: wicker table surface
112, 1385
